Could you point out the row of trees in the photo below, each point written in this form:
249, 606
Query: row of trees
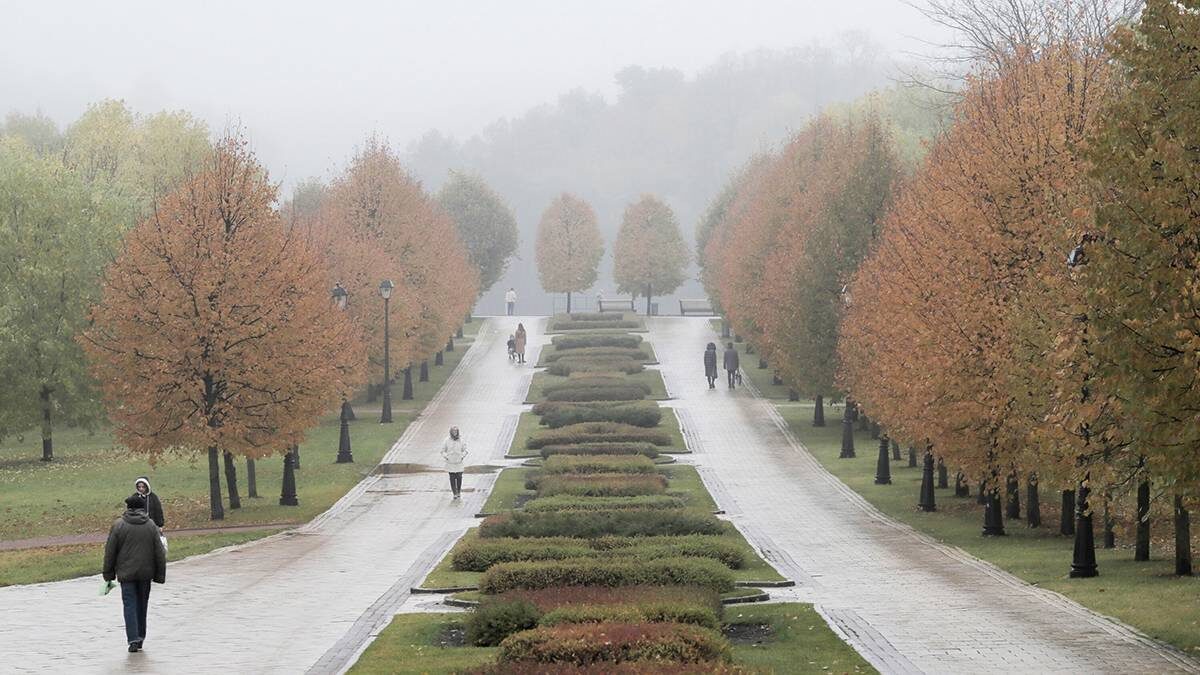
212, 326
1023, 306
649, 255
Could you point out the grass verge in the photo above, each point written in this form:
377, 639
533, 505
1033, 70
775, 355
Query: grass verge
788, 637
421, 643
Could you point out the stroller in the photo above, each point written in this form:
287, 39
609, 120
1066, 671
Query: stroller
512, 348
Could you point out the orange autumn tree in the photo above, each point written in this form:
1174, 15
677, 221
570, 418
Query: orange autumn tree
963, 325
649, 255
568, 246
214, 333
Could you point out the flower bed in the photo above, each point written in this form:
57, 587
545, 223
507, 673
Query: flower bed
546, 599
483, 554
605, 448
599, 485
588, 524
572, 503
534, 575
615, 392
597, 432
586, 644
585, 464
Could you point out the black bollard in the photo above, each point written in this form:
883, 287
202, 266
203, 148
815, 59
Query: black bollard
912, 457
993, 517
344, 455
1066, 521
1012, 486
961, 487
883, 467
895, 450
438, 359
1033, 504
424, 372
928, 503
847, 432
762, 363
287, 496
942, 474
1083, 562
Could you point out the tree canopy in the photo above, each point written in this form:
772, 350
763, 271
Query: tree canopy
649, 255
569, 246
485, 224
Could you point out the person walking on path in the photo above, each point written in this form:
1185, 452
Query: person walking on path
520, 343
510, 301
141, 486
710, 365
134, 556
731, 363
454, 451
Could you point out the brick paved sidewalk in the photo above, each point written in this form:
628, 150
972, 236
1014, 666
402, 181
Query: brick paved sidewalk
308, 599
906, 602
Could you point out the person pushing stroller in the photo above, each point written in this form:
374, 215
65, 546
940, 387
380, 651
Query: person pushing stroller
512, 347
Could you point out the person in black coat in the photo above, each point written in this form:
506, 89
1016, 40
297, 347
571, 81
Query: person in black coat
710, 365
134, 555
731, 363
141, 486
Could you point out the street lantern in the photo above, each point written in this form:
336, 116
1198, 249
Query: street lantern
344, 455
385, 291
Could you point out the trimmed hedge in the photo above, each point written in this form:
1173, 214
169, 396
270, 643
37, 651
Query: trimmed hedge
571, 324
596, 432
564, 342
635, 613
650, 667
598, 464
635, 353
611, 573
565, 367
588, 644
590, 524
621, 392
647, 449
600, 485
571, 503
558, 414
590, 316
546, 599
491, 622
481, 554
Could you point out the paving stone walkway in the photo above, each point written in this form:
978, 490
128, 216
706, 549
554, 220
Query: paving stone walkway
906, 602
309, 599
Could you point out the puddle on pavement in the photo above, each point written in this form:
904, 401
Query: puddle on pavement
482, 468
392, 469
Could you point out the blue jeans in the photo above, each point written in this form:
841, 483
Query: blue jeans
135, 596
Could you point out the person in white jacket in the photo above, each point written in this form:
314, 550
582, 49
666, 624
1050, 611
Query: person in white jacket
454, 451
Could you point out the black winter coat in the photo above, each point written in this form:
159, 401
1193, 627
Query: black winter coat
710, 363
154, 509
134, 551
731, 359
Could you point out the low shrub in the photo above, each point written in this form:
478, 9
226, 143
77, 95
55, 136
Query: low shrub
651, 667
481, 554
589, 524
652, 612
547, 599
565, 367
571, 324
588, 644
558, 414
572, 503
597, 432
635, 353
582, 464
580, 341
599, 485
493, 621
612, 392
616, 572
647, 449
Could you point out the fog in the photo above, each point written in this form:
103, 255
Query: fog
528, 94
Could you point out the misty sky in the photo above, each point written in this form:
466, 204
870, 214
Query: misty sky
307, 80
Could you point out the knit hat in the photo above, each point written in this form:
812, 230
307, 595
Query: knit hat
135, 502
142, 479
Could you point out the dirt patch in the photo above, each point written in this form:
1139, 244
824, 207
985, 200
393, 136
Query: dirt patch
520, 500
749, 633
451, 635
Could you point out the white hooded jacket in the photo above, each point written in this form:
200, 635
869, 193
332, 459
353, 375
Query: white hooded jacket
454, 452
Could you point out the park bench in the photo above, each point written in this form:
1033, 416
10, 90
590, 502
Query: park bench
614, 304
701, 306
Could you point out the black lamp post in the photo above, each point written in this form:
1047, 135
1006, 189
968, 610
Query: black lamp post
344, 455
1083, 562
883, 466
385, 291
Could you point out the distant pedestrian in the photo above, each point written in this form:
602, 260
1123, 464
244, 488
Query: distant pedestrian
510, 301
134, 555
512, 347
710, 365
454, 451
731, 363
521, 338
154, 508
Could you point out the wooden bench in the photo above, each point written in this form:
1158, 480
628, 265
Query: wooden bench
701, 306
614, 304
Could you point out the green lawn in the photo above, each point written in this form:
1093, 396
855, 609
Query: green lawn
82, 490
653, 378
798, 641
1144, 595
413, 643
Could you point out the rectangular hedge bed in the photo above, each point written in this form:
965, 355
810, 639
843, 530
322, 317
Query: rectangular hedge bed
528, 425
646, 378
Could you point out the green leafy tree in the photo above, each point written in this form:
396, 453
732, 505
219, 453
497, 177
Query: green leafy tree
649, 254
38, 131
1144, 289
56, 235
484, 222
569, 246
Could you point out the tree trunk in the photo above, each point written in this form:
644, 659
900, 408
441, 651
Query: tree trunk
943, 476
912, 457
251, 479
459, 333
749, 348
408, 385
981, 498
1142, 549
961, 488
438, 359
864, 422
724, 329
762, 363
793, 395
1013, 488
424, 373
235, 501
373, 392
450, 345
1183, 539
47, 427
296, 456
1066, 522
819, 411
875, 431
648, 289
216, 509
568, 302
1110, 537
1033, 504
776, 380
